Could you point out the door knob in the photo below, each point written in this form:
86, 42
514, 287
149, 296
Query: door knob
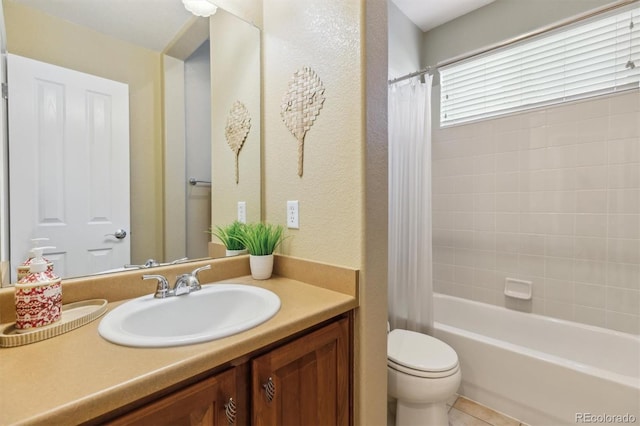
119, 234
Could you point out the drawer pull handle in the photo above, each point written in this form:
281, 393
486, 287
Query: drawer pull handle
230, 411
269, 389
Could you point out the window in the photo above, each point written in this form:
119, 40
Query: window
585, 59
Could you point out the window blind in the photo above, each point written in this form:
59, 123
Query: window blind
586, 59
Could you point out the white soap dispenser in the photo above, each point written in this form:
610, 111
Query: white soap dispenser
38, 296
23, 269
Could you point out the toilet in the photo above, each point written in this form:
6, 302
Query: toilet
423, 373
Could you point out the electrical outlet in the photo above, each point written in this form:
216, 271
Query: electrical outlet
293, 221
242, 211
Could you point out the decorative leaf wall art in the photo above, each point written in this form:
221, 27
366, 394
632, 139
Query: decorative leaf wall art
301, 105
237, 129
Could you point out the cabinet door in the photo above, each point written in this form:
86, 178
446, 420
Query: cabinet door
305, 382
201, 404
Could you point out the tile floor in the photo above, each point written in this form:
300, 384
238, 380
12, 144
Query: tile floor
465, 412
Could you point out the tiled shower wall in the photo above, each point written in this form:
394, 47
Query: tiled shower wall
551, 196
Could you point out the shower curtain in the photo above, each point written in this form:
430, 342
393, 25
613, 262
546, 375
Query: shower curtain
410, 263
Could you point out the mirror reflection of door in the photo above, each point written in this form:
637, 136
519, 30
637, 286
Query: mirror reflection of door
197, 76
63, 125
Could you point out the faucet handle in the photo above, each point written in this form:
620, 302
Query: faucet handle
162, 290
195, 283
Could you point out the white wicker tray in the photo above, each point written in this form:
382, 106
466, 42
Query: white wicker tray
74, 315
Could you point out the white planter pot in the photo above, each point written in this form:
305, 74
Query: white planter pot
236, 252
261, 266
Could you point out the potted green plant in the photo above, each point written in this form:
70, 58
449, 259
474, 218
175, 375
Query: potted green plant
261, 240
229, 236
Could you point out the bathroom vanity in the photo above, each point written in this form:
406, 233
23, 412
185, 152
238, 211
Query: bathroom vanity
253, 377
247, 393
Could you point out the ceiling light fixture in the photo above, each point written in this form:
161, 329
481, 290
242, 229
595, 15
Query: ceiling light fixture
200, 7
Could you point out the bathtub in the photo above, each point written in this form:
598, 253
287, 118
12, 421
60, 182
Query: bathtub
541, 370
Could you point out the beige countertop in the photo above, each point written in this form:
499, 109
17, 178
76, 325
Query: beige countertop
79, 376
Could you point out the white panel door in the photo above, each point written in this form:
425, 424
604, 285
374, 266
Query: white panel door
69, 166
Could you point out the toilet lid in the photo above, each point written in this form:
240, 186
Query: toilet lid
420, 352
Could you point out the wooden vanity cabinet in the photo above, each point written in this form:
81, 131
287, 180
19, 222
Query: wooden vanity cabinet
303, 382
201, 404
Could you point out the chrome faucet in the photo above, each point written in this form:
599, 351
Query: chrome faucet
185, 283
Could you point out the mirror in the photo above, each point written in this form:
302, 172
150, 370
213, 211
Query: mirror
172, 103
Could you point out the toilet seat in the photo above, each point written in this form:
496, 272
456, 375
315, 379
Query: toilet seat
419, 373
420, 355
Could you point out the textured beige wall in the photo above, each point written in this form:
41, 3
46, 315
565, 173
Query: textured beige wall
45, 38
342, 193
325, 35
371, 320
235, 76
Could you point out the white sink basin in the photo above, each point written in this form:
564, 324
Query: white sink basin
214, 312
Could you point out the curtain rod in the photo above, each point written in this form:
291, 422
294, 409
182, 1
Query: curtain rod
559, 24
426, 70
